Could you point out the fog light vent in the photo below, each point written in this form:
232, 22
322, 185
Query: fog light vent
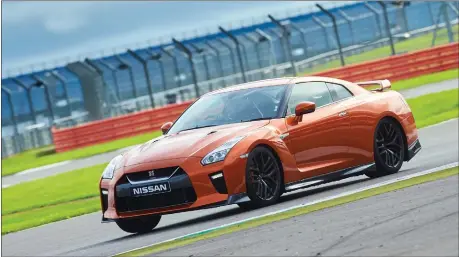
218, 180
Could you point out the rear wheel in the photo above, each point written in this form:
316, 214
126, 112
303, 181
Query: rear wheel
263, 179
139, 225
389, 149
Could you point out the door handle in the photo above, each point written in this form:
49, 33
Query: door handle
342, 114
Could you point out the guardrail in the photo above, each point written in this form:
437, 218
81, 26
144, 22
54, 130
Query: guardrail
394, 68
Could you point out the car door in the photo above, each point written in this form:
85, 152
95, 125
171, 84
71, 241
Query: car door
319, 142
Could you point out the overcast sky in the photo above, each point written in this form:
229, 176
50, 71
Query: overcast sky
35, 32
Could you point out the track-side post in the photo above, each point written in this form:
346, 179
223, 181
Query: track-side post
28, 91
63, 81
147, 75
189, 54
335, 29
285, 37
386, 21
238, 50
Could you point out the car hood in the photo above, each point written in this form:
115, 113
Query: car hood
191, 143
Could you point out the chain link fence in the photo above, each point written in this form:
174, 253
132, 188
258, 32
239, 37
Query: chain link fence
185, 69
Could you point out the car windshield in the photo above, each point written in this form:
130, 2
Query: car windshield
231, 107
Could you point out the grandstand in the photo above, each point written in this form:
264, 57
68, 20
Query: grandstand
179, 70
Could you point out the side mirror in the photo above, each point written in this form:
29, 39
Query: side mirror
165, 127
304, 108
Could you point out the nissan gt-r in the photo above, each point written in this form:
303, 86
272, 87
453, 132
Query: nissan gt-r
250, 143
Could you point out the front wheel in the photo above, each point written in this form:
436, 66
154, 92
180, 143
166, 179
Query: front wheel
389, 149
263, 179
139, 225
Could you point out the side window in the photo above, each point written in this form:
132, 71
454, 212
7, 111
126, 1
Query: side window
316, 92
338, 92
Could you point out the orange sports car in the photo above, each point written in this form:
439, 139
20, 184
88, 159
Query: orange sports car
248, 144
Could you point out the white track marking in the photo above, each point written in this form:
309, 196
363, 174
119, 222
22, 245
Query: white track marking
380, 184
42, 168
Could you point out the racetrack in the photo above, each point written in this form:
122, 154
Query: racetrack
418, 221
85, 235
106, 157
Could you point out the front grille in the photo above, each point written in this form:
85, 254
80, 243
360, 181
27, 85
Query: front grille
182, 191
159, 173
175, 197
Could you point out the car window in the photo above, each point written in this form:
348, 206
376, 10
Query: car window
338, 92
316, 92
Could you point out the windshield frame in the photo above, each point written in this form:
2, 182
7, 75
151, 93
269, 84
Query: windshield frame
280, 112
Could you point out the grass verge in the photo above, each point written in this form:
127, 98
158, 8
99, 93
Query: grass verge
50, 199
434, 108
425, 79
292, 213
53, 190
44, 156
40, 216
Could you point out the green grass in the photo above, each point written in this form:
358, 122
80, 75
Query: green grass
417, 43
61, 196
65, 187
36, 217
434, 108
157, 248
44, 156
426, 79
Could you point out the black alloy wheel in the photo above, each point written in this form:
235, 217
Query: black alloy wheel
389, 148
263, 178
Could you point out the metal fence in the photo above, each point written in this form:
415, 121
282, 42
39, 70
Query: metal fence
184, 69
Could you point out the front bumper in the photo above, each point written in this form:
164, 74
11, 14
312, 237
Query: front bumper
193, 187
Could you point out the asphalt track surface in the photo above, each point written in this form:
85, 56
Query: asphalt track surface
85, 235
422, 220
106, 157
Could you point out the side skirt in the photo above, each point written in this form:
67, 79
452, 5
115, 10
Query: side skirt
338, 175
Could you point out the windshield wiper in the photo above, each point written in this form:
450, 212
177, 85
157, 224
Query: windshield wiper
213, 125
267, 118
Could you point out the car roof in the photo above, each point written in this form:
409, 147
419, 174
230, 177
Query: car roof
276, 82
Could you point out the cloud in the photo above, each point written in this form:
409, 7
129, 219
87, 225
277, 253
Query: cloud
56, 17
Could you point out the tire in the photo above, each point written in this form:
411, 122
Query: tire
139, 225
263, 179
389, 149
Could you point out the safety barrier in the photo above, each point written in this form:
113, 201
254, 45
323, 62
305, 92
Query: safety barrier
394, 68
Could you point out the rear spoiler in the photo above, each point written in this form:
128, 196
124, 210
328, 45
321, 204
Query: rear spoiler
383, 84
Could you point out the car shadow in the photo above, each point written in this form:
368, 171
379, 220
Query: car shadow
205, 218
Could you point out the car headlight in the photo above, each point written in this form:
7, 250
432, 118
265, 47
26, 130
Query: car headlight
112, 166
220, 152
